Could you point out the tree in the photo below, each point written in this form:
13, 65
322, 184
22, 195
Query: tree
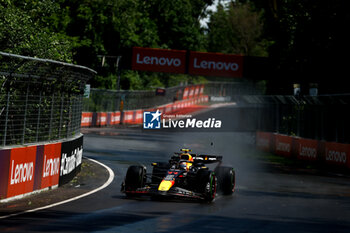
310, 42
79, 31
24, 30
237, 29
178, 22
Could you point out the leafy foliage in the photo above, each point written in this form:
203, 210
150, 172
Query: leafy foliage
237, 29
25, 31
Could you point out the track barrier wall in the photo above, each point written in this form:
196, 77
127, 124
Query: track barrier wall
33, 168
41, 103
127, 106
329, 153
135, 117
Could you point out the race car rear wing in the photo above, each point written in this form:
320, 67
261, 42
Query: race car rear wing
207, 158
200, 158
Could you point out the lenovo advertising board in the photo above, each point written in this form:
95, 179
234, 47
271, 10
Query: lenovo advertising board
51, 165
337, 153
263, 141
283, 145
71, 158
307, 149
159, 60
215, 64
21, 171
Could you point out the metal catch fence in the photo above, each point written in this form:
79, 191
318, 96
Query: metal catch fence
316, 117
109, 100
40, 99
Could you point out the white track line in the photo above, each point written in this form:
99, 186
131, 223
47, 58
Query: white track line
108, 182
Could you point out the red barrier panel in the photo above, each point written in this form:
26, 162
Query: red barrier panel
337, 153
263, 141
115, 118
186, 92
283, 145
86, 119
128, 117
191, 92
26, 169
332, 153
307, 149
197, 90
51, 165
138, 116
168, 108
101, 119
21, 171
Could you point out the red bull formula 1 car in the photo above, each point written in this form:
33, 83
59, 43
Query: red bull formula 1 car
185, 175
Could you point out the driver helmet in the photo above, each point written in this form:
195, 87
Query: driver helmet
183, 166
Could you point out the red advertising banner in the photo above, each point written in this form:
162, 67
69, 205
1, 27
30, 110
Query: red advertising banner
86, 119
51, 165
307, 149
283, 145
159, 60
186, 92
337, 153
215, 64
21, 171
115, 118
138, 116
263, 141
191, 92
196, 92
128, 117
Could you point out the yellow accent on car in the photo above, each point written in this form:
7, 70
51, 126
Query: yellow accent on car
165, 185
186, 150
188, 165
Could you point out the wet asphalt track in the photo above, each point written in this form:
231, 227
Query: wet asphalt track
266, 198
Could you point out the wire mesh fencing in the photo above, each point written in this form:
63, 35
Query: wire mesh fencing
109, 100
315, 117
40, 99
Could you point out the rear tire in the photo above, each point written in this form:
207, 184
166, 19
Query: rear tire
226, 179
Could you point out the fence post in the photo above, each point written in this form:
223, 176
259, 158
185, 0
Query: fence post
51, 115
38, 121
277, 110
25, 115
69, 119
61, 116
6, 118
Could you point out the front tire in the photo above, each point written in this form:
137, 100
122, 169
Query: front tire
135, 178
208, 184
